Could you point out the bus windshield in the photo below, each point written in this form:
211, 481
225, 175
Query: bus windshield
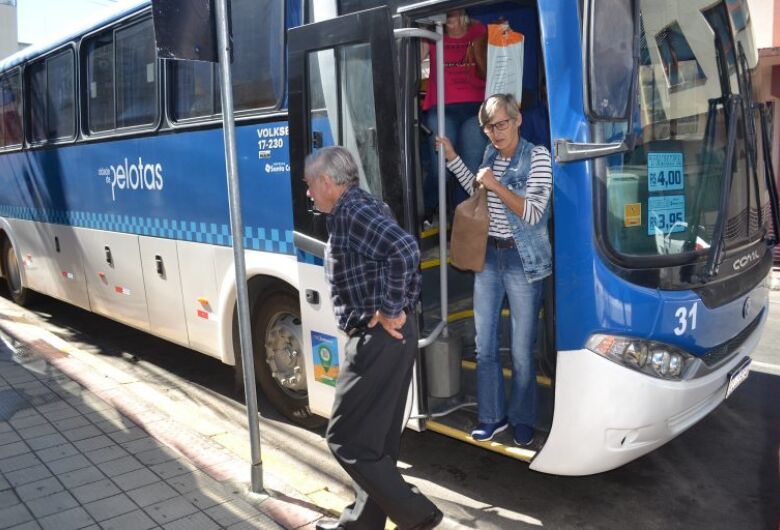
664, 196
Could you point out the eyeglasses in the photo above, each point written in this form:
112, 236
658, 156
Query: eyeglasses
498, 126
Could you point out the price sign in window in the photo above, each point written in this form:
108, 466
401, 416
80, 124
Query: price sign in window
666, 214
665, 172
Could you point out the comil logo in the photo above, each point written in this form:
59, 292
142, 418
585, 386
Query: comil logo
133, 176
743, 261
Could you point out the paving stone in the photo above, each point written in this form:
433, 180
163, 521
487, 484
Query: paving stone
156, 456
231, 512
94, 491
27, 475
205, 499
70, 463
197, 520
5, 426
135, 479
71, 423
120, 466
50, 504
51, 407
136, 520
4, 484
152, 493
82, 433
172, 468
68, 520
193, 480
9, 437
106, 454
8, 498
13, 449
44, 442
79, 477
14, 515
42, 429
96, 442
128, 435
110, 507
39, 488
57, 452
96, 416
18, 462
23, 422
171, 510
60, 414
261, 522
141, 444
30, 525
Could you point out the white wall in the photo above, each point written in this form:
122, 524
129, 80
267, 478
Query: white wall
8, 33
762, 16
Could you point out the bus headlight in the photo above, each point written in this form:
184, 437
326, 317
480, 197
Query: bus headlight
649, 357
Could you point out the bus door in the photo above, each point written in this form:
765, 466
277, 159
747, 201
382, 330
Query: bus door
342, 91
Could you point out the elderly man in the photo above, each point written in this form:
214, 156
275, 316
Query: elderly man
372, 266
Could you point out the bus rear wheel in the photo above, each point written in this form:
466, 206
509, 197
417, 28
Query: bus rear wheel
278, 352
13, 276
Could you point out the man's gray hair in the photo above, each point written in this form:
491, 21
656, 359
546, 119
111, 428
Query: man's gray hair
334, 161
496, 102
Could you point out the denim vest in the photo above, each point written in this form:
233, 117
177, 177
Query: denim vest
532, 241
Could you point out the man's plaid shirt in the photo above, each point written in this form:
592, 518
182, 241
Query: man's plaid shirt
371, 262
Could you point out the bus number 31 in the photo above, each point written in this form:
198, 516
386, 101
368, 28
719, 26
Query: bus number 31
685, 315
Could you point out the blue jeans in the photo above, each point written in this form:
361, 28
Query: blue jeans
461, 126
504, 275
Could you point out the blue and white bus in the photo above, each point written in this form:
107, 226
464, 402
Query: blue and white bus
113, 197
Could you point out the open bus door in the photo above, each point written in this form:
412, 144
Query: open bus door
342, 91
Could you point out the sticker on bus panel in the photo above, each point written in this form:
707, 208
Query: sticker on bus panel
665, 172
632, 214
666, 214
325, 350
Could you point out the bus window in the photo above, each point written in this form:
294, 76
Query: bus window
11, 90
258, 47
136, 75
37, 98
195, 90
60, 96
100, 83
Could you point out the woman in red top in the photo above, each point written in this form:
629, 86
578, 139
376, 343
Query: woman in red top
464, 90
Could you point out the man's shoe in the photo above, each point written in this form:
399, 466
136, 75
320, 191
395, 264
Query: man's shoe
523, 435
432, 521
486, 431
328, 524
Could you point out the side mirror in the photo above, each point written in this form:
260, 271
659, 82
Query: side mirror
610, 58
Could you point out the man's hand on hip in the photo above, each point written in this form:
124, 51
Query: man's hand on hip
391, 325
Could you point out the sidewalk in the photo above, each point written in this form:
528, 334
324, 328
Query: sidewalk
78, 452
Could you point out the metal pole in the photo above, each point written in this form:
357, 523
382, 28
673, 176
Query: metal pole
442, 178
237, 229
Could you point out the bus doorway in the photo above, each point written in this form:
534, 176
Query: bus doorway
449, 373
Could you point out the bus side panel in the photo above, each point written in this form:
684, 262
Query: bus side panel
67, 266
199, 295
28, 240
160, 264
114, 280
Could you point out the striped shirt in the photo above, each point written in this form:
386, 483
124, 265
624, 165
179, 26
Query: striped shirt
538, 189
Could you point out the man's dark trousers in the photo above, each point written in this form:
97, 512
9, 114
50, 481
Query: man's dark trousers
364, 432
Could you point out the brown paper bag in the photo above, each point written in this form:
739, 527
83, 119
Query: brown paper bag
468, 241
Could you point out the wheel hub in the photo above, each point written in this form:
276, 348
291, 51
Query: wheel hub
284, 353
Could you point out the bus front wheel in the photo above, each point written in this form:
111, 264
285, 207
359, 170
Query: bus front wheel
13, 276
278, 351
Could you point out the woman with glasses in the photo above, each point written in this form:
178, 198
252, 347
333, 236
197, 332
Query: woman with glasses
518, 179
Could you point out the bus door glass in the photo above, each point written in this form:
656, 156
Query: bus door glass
341, 92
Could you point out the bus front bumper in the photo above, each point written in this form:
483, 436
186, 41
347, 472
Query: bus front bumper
607, 415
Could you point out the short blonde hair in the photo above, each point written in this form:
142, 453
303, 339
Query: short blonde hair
496, 102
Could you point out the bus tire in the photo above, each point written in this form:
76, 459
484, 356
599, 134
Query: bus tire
278, 353
13, 276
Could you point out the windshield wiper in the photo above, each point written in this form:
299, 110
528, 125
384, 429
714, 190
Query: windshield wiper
716, 250
769, 172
